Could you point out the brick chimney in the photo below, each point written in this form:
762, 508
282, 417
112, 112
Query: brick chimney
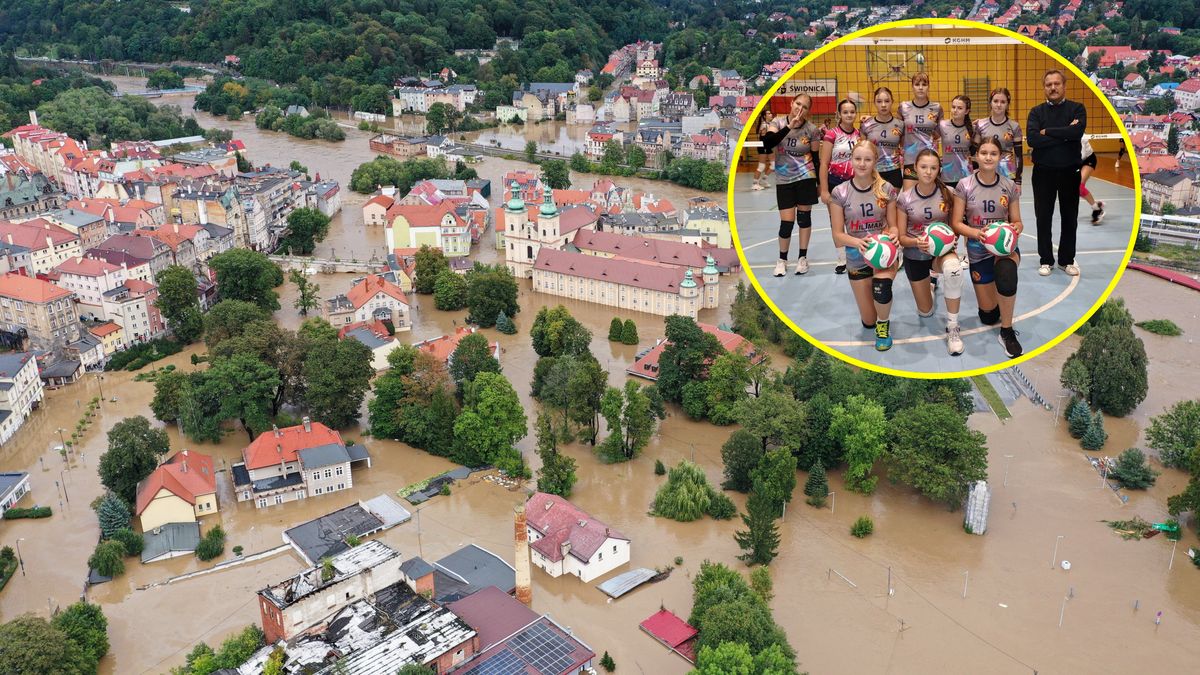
521, 536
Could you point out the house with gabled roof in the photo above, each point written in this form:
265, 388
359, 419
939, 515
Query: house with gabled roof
179, 490
285, 465
442, 347
436, 225
566, 540
371, 298
375, 336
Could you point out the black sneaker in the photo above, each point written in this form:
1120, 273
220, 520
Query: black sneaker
840, 269
1008, 338
1098, 213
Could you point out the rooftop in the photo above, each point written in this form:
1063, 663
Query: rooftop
561, 522
187, 475
346, 564
272, 447
11, 363
28, 289
646, 364
326, 536
637, 273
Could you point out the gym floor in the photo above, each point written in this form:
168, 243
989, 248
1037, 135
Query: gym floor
822, 304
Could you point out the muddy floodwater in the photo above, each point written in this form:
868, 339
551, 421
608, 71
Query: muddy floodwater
958, 603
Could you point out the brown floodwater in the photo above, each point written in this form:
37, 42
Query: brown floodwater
1007, 623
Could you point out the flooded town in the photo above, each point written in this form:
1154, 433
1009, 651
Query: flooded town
348, 540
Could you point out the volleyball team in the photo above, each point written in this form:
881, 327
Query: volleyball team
887, 175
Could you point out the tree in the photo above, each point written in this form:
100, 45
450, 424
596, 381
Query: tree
775, 418
607, 663
556, 175
491, 289
245, 386
134, 448
580, 163
505, 325
491, 423
629, 334
243, 164
164, 78
472, 356
686, 357
131, 541
1173, 140
413, 668
113, 515
402, 174
338, 374
687, 496
1095, 437
556, 333
585, 390
630, 422
613, 157
934, 451
108, 558
306, 292
1175, 434
557, 475
441, 118
1133, 470
430, 262
531, 149
616, 329
230, 319
727, 381
306, 226
85, 624
1077, 379
29, 645
212, 544
635, 157
775, 478
449, 291
179, 303
816, 488
427, 408
247, 275
760, 541
1079, 418
861, 428
740, 453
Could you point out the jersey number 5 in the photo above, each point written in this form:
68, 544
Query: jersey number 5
928, 213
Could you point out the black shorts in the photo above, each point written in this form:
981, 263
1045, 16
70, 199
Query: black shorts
799, 193
984, 271
835, 181
765, 153
916, 269
1090, 161
895, 177
860, 273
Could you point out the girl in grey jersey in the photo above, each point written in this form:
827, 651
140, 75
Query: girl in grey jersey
1007, 131
930, 201
958, 141
980, 199
794, 139
886, 131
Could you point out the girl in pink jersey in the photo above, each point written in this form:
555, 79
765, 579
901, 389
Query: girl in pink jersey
980, 199
836, 148
930, 201
862, 206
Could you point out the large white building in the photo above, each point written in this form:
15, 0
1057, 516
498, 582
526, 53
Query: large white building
20, 391
563, 539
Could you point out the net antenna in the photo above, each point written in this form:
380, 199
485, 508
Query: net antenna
894, 63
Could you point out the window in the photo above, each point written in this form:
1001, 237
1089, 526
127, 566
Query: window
329, 473
316, 475
317, 491
338, 471
278, 499
614, 548
341, 486
262, 502
600, 555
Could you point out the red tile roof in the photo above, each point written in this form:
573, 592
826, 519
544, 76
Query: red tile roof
443, 346
1191, 86
29, 289
558, 521
369, 287
668, 628
104, 329
172, 235
283, 445
374, 326
636, 273
647, 366
187, 475
656, 250
32, 234
86, 267
380, 200
424, 215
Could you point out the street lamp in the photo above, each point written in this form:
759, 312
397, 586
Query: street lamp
20, 560
100, 382
832, 501
64, 486
60, 437
1055, 558
1008, 460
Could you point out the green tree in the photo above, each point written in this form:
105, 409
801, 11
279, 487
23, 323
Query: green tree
243, 164
306, 292
580, 163
816, 488
861, 428
585, 390
1077, 379
337, 374
607, 663
1079, 418
131, 541
1175, 434
441, 118
403, 175
505, 325
728, 378
164, 78
557, 475
687, 496
491, 289
449, 291
430, 262
635, 157
212, 544
686, 357
775, 418
31, 646
383, 408
1116, 359
491, 423
556, 333
775, 478
108, 558
1133, 470
1173, 140
556, 175
1095, 437
629, 333
472, 356
113, 515
613, 157
179, 303
247, 275
934, 451
741, 454
85, 625
414, 669
306, 227
427, 409
134, 449
630, 422
531, 149
245, 386
230, 319
615, 329
760, 540
817, 444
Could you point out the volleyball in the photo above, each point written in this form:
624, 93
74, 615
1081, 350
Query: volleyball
920, 58
941, 239
999, 239
882, 251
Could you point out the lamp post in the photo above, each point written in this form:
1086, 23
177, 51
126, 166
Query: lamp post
1055, 558
20, 560
1008, 460
832, 502
60, 437
100, 382
64, 486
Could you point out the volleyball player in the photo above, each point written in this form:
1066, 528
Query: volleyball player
920, 116
957, 136
1085, 172
885, 130
765, 161
863, 205
983, 198
791, 138
997, 124
930, 201
836, 148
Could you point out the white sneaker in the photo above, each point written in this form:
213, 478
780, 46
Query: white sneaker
1071, 270
954, 343
756, 186
780, 268
1044, 270
802, 265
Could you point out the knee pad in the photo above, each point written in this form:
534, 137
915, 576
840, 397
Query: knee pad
1083, 191
953, 278
1006, 277
785, 229
990, 317
762, 166
881, 290
803, 219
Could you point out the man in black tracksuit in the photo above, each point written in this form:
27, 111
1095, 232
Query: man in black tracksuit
1054, 131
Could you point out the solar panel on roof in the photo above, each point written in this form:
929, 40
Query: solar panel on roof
542, 648
502, 662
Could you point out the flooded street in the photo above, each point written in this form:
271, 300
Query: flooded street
1007, 623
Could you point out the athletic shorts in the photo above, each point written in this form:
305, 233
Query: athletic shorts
895, 177
799, 193
917, 269
984, 271
765, 153
835, 181
1090, 161
856, 265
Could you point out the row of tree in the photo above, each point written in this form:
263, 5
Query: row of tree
737, 633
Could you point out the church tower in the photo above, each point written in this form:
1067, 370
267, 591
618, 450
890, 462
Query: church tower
712, 286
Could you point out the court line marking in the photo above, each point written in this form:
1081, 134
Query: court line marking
767, 241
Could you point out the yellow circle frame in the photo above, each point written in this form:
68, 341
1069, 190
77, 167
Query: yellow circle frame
1137, 189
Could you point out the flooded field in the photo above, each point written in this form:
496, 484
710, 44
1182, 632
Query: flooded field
1008, 621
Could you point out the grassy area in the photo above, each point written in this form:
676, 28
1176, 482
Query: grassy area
991, 396
1160, 327
1185, 256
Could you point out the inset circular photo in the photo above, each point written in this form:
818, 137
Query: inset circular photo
933, 200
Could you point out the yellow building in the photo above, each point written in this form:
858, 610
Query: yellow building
180, 490
436, 226
111, 335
